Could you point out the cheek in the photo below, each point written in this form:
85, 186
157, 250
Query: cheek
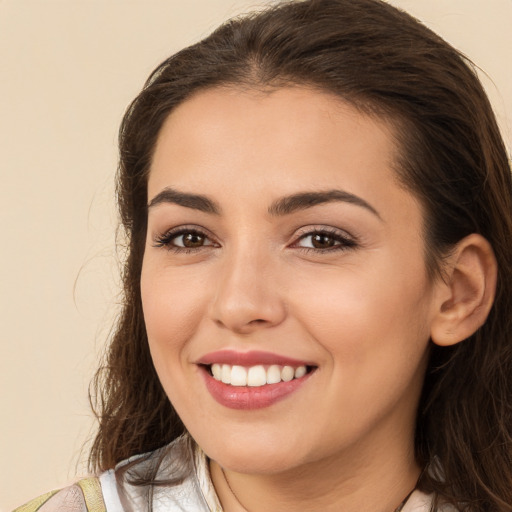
361, 317
172, 312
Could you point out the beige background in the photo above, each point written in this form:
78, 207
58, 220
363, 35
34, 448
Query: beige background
68, 69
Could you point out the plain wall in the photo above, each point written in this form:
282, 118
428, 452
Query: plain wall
68, 70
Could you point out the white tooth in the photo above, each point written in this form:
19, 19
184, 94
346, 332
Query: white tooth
256, 376
287, 373
273, 374
226, 374
217, 371
238, 376
300, 372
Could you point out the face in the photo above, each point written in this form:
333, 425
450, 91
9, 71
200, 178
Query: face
284, 287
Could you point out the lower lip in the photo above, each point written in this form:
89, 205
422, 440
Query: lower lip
245, 397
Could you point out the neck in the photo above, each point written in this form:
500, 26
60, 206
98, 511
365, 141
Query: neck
327, 485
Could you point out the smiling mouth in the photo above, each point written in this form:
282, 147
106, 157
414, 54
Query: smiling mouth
256, 376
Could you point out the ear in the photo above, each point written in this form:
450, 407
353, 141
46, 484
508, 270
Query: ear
466, 293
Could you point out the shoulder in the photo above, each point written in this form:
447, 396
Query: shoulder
175, 477
84, 496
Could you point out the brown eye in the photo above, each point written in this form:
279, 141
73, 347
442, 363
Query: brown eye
325, 241
184, 239
190, 240
322, 241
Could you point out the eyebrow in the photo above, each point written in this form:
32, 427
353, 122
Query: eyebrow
304, 200
194, 201
283, 206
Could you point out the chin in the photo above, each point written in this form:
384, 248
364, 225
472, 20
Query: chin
253, 455
258, 464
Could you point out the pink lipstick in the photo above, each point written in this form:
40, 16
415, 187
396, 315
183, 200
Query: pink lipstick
251, 358
252, 380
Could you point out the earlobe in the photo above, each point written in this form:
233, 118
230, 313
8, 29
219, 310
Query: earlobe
466, 294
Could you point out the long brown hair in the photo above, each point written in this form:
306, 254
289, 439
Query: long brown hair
452, 158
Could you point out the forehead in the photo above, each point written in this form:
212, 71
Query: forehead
296, 131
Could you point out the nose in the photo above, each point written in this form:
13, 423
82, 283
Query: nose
247, 295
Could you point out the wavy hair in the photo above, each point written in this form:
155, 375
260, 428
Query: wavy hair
452, 158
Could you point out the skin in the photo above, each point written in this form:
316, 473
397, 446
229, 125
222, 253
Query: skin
362, 315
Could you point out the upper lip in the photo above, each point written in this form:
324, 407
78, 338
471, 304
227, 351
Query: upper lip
251, 358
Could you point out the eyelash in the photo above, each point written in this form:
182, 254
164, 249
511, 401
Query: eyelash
342, 240
167, 238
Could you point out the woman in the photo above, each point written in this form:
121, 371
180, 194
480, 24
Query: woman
317, 204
